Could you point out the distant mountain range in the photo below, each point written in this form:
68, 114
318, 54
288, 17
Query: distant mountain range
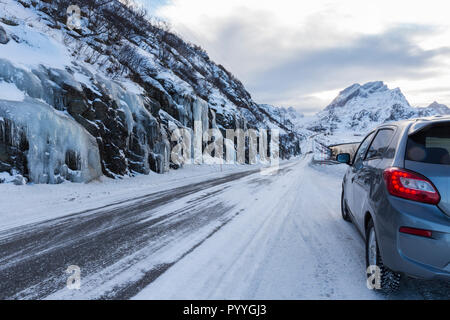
359, 108
435, 109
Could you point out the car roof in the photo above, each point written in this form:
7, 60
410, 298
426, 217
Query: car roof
417, 124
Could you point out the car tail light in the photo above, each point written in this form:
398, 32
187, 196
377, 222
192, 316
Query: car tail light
416, 232
410, 185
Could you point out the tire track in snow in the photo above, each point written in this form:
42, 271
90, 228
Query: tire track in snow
34, 257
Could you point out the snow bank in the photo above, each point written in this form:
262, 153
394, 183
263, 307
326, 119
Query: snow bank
39, 202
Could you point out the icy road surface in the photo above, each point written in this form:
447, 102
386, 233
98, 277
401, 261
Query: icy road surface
238, 235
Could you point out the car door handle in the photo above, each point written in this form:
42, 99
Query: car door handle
353, 179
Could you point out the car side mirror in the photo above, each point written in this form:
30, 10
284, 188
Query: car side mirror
343, 158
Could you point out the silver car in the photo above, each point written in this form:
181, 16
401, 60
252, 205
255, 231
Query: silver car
396, 191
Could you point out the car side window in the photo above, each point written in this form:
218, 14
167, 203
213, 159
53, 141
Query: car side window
380, 144
360, 154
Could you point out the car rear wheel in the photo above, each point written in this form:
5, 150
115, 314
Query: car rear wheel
344, 209
379, 277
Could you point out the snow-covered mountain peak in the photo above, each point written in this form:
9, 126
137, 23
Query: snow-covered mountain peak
376, 91
359, 108
437, 109
436, 104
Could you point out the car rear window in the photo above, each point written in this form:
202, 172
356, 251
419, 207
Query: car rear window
431, 145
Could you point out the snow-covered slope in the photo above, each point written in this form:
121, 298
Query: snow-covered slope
359, 108
435, 109
124, 82
287, 116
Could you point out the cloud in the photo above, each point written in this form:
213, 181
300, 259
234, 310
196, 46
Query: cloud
297, 53
387, 56
432, 89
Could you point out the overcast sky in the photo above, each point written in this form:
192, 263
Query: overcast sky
302, 53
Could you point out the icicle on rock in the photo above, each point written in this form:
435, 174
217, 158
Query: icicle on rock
58, 147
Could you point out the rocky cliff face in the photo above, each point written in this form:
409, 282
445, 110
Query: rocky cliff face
105, 98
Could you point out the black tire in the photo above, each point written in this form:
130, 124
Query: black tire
389, 281
344, 210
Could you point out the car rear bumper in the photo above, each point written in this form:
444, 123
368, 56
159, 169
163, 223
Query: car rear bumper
416, 256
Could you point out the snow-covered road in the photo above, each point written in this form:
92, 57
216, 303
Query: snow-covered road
235, 235
289, 243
